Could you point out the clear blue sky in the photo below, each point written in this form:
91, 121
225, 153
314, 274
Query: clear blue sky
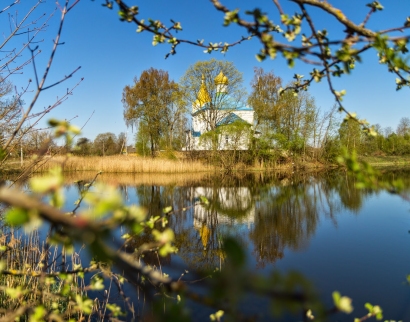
111, 54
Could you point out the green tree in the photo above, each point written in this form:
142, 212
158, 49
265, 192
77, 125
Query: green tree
265, 98
287, 120
351, 135
106, 144
153, 104
83, 147
229, 140
220, 101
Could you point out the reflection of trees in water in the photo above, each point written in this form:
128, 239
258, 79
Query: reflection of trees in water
154, 199
288, 208
288, 213
286, 217
283, 211
350, 197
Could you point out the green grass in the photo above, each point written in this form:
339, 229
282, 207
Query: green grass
386, 161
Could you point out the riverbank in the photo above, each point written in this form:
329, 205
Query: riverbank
386, 161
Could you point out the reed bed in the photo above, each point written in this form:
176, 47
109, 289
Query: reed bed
24, 256
125, 164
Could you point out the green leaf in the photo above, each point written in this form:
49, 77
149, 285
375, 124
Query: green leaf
342, 303
84, 304
97, 283
115, 309
104, 199
17, 217
375, 5
38, 315
50, 182
16, 292
217, 316
204, 200
167, 210
166, 236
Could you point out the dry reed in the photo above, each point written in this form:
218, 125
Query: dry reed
125, 164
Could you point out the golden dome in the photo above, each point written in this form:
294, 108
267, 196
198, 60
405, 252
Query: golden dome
221, 79
203, 95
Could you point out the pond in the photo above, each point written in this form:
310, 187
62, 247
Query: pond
340, 238
354, 241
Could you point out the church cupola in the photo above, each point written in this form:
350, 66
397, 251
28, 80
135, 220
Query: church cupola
202, 96
221, 82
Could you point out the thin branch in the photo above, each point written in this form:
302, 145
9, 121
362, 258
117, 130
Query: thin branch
366, 19
19, 26
9, 6
62, 80
83, 193
277, 4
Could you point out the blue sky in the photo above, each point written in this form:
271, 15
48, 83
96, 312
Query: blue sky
111, 54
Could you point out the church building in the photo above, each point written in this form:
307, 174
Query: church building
229, 120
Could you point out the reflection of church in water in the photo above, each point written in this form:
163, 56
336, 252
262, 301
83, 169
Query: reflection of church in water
228, 206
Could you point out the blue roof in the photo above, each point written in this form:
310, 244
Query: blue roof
230, 118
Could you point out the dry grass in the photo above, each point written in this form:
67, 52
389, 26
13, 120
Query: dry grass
24, 257
125, 164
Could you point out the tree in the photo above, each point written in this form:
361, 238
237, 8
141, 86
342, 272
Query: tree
228, 140
287, 120
35, 140
220, 101
106, 144
350, 135
265, 98
10, 111
153, 104
404, 126
16, 121
83, 147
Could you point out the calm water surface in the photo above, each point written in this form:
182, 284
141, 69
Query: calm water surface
340, 238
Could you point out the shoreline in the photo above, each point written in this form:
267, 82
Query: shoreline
386, 161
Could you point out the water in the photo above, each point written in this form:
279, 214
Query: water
354, 241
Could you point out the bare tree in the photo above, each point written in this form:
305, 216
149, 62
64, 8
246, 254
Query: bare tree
16, 120
404, 126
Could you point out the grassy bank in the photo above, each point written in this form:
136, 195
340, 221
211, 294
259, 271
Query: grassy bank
386, 161
124, 164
